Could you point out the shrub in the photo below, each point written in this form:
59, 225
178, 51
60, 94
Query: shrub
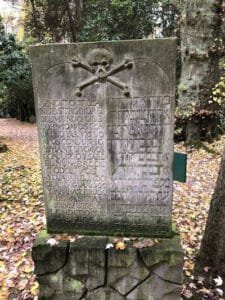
16, 94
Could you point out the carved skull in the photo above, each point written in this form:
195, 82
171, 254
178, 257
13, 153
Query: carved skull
100, 61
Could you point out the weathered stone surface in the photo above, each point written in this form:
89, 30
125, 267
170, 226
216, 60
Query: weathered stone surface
170, 273
91, 272
49, 259
87, 261
126, 270
155, 289
59, 286
105, 119
163, 251
50, 284
165, 259
104, 294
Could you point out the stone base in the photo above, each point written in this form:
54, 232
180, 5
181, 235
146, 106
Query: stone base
84, 269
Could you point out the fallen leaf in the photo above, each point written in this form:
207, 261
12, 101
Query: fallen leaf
204, 290
126, 239
28, 269
218, 281
192, 285
34, 288
120, 246
108, 246
52, 242
187, 294
22, 284
188, 273
144, 243
206, 269
72, 239
201, 280
219, 292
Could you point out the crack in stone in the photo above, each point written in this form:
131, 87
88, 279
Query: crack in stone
152, 272
67, 251
139, 256
106, 267
105, 282
105, 277
106, 273
117, 291
84, 294
166, 280
139, 283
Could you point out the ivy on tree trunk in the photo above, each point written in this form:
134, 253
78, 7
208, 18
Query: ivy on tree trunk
200, 52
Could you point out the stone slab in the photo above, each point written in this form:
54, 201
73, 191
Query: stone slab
105, 121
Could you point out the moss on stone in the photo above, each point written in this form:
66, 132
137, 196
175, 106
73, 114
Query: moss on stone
42, 237
168, 250
73, 285
85, 266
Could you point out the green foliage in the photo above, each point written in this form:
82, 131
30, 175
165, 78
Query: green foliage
210, 119
53, 20
16, 96
219, 92
73, 20
94, 20
218, 97
127, 19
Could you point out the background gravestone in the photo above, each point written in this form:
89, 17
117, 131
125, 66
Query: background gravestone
105, 119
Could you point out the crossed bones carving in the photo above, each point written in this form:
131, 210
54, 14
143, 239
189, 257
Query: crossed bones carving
99, 63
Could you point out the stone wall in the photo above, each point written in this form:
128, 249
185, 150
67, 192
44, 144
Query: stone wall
85, 269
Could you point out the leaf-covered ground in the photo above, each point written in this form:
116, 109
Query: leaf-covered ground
22, 211
190, 209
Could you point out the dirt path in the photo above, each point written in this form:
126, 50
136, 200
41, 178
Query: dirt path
12, 129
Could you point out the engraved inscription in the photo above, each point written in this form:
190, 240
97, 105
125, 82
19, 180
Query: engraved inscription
105, 121
74, 156
139, 129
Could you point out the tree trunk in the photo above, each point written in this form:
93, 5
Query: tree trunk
35, 18
212, 251
200, 34
71, 21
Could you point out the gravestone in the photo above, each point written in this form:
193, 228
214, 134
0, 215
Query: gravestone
105, 119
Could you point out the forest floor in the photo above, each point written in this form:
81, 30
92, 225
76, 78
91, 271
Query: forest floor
22, 211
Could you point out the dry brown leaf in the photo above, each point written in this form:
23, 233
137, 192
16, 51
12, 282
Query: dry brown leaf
120, 246
187, 294
144, 243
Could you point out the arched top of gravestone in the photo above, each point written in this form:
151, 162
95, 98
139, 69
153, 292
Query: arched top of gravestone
65, 75
149, 61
